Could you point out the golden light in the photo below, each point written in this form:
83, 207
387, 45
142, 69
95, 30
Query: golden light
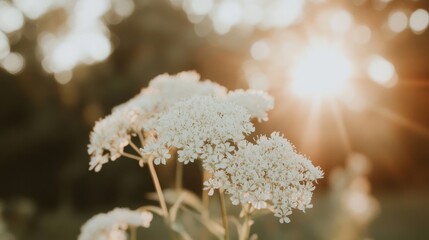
226, 15
361, 34
341, 21
63, 77
382, 71
223, 15
33, 9
4, 45
13, 63
11, 19
419, 20
201, 7
397, 21
322, 71
260, 50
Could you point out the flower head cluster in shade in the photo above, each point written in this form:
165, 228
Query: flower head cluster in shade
113, 133
267, 174
201, 127
112, 225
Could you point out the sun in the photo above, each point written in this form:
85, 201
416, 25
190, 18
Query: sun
323, 70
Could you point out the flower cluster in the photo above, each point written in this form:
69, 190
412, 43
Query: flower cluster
163, 91
201, 127
108, 139
267, 174
113, 133
112, 225
257, 103
202, 121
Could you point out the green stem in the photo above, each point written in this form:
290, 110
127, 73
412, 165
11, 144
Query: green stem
158, 189
224, 214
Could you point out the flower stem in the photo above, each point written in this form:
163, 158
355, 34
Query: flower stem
205, 197
158, 188
246, 228
141, 138
246, 225
133, 233
135, 148
179, 175
224, 214
132, 156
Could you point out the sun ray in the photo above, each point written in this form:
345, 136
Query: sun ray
310, 136
341, 126
401, 120
414, 83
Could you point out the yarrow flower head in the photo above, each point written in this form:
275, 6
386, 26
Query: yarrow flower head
201, 127
268, 174
112, 225
113, 133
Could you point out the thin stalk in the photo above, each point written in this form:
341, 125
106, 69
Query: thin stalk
135, 148
205, 214
205, 196
132, 156
179, 175
158, 188
133, 233
246, 224
246, 228
141, 138
224, 214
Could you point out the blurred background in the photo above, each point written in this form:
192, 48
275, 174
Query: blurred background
350, 79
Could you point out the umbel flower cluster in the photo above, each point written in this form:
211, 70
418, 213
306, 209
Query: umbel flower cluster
113, 133
112, 225
203, 122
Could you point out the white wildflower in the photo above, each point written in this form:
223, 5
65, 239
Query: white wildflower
211, 185
269, 173
257, 103
201, 127
184, 85
111, 134
108, 139
165, 90
112, 225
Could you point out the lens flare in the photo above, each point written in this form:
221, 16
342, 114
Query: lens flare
382, 71
322, 71
260, 50
11, 19
13, 63
419, 21
397, 21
